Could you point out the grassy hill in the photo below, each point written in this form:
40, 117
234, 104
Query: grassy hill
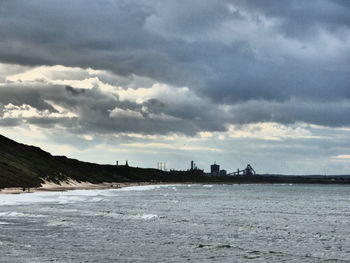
27, 166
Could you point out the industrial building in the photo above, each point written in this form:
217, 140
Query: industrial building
214, 169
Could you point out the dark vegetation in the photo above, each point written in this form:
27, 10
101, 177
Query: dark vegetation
27, 166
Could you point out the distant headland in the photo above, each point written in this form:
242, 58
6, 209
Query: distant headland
29, 166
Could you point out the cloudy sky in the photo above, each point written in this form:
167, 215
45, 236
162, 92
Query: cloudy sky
232, 81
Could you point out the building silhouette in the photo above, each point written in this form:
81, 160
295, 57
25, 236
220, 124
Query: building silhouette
223, 172
214, 169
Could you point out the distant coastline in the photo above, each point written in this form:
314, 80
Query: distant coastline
23, 166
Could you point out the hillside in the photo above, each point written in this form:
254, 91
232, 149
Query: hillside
27, 166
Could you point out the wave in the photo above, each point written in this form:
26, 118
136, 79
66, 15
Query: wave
72, 196
17, 214
143, 187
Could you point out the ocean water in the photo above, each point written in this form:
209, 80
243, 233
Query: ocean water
178, 223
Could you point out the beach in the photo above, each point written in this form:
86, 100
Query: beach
68, 185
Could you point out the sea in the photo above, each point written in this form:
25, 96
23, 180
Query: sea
178, 223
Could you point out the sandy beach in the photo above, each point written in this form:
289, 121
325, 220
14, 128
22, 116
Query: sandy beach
68, 185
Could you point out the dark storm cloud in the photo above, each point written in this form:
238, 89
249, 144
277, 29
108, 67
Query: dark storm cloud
98, 112
24, 95
303, 19
231, 52
74, 91
95, 112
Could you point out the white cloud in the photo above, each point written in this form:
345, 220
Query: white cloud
120, 113
27, 111
270, 131
342, 156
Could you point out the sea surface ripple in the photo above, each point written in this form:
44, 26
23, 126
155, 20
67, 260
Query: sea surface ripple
178, 223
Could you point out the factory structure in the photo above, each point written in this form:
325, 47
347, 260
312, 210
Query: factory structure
215, 171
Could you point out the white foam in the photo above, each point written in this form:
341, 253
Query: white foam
17, 214
42, 197
140, 188
131, 216
147, 216
89, 193
71, 196
26, 198
59, 223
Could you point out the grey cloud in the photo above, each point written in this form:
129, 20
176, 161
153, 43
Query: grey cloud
93, 108
24, 95
189, 116
327, 114
50, 123
180, 43
185, 18
71, 74
74, 91
304, 19
10, 122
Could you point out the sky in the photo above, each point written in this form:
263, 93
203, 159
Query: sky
226, 81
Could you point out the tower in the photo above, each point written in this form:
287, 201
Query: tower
214, 169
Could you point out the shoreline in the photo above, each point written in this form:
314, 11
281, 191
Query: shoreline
70, 185
48, 186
